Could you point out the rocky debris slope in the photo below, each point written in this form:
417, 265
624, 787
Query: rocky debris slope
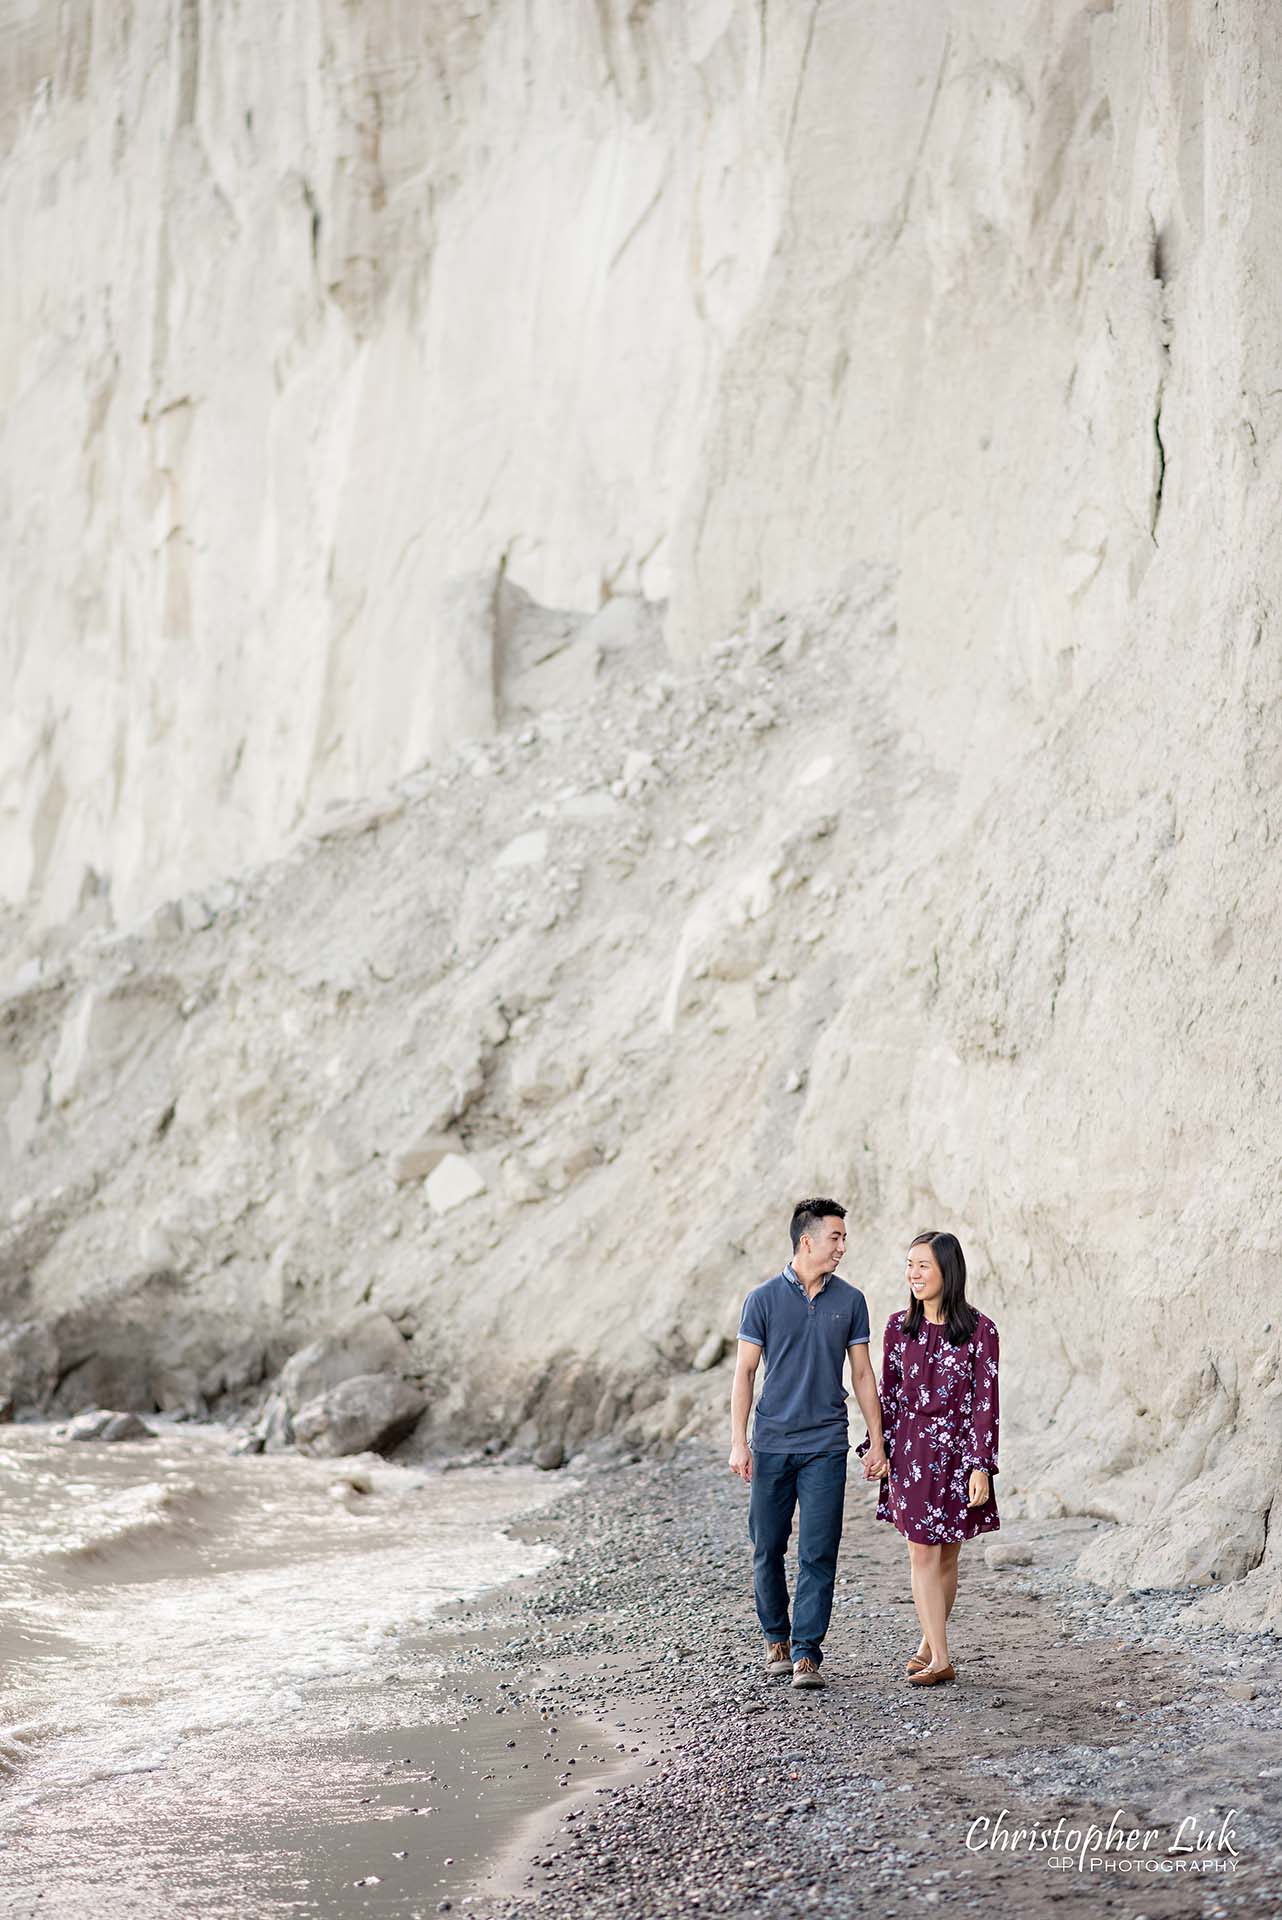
525, 1061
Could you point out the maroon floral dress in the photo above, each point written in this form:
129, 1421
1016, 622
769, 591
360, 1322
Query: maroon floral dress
939, 1418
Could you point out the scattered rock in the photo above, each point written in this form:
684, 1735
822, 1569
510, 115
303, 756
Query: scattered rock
549, 1456
817, 770
526, 850
589, 806
370, 1412
1241, 1690
366, 1343
519, 1183
1005, 1553
453, 1182
103, 1424
195, 914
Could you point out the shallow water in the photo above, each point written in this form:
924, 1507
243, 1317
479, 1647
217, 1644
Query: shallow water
187, 1638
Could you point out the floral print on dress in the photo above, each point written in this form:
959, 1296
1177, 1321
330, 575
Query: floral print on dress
939, 1416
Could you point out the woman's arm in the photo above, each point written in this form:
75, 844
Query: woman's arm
982, 1432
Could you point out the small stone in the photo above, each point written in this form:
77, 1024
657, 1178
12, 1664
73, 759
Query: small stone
526, 850
195, 913
1004, 1553
817, 770
638, 767
1241, 1690
696, 835
589, 806
549, 1456
453, 1182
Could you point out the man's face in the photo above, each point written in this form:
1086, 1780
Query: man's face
828, 1244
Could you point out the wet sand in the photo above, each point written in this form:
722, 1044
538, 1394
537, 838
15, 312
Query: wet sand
200, 1671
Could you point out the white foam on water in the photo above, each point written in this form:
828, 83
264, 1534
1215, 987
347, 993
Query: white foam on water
179, 1618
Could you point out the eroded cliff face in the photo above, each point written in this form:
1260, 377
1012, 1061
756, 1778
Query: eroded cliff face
773, 507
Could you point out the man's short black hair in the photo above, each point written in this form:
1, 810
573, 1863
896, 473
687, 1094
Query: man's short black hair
809, 1215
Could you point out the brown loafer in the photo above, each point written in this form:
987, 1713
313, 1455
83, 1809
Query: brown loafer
931, 1676
916, 1662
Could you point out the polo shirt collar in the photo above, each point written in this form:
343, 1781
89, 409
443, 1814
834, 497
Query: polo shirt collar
789, 1274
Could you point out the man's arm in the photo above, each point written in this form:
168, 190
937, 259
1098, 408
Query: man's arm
745, 1373
865, 1385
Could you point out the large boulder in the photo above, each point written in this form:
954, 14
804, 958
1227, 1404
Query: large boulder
367, 1343
371, 1411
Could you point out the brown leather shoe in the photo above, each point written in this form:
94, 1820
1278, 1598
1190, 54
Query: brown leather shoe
931, 1676
916, 1661
778, 1656
806, 1674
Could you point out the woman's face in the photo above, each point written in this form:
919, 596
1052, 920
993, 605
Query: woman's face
925, 1281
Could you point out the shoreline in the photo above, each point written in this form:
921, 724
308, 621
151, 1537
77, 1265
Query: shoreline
597, 1737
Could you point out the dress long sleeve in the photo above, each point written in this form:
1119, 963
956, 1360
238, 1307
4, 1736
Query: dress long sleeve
890, 1390
982, 1429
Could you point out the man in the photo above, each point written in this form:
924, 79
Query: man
805, 1321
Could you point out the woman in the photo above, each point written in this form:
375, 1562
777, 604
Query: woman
939, 1418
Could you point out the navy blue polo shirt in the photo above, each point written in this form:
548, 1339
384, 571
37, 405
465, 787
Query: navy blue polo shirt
802, 1408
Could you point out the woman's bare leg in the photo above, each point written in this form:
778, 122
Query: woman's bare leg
923, 1648
948, 1558
928, 1598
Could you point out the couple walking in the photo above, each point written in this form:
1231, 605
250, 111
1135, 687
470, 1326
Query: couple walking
931, 1439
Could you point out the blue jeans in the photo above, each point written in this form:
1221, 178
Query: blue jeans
779, 1481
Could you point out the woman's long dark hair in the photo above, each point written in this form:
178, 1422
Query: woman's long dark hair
959, 1315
